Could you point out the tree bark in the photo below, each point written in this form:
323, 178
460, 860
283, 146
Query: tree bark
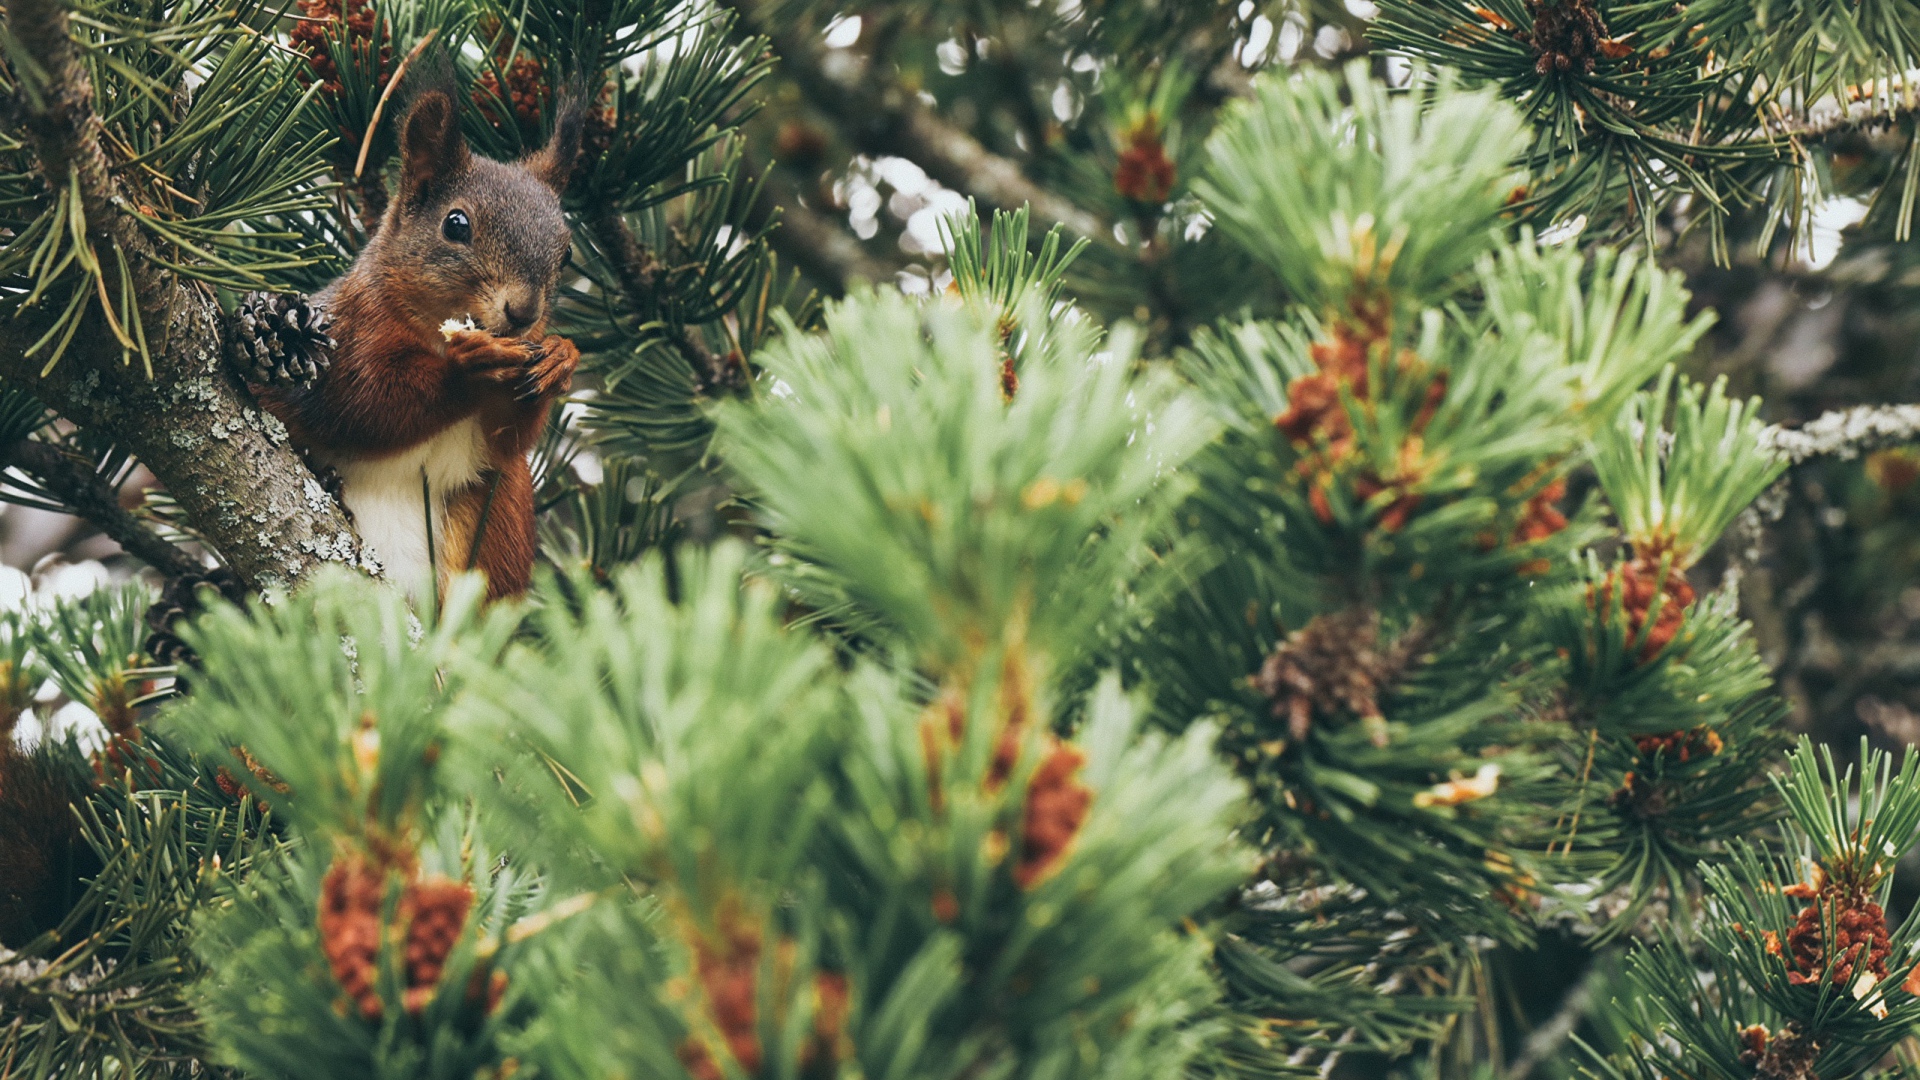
226, 461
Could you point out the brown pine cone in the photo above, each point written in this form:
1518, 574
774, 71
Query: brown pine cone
351, 896
181, 600
1566, 36
276, 339
439, 915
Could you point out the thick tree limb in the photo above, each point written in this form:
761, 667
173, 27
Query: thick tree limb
227, 463
882, 117
88, 494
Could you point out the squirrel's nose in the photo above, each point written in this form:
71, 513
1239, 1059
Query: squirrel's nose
521, 317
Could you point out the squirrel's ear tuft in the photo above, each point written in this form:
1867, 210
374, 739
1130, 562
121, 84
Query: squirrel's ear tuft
432, 150
553, 163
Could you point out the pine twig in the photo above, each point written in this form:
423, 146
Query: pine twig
1846, 433
186, 418
54, 110
379, 107
87, 493
1875, 104
885, 118
637, 271
1842, 434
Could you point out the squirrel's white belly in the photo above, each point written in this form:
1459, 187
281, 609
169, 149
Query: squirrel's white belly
393, 498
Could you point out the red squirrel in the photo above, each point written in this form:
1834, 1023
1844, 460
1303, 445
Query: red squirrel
424, 425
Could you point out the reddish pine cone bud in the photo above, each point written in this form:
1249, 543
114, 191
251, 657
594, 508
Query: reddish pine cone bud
1639, 582
323, 20
828, 1044
1057, 804
1681, 746
1541, 518
1860, 939
439, 909
351, 895
1317, 424
1145, 173
729, 971
1314, 408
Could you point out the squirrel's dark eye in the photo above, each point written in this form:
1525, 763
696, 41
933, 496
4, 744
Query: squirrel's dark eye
457, 228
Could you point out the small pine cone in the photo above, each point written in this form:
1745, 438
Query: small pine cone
439, 914
1861, 940
1145, 174
729, 969
1637, 580
275, 339
1566, 36
181, 600
351, 896
1057, 804
1331, 665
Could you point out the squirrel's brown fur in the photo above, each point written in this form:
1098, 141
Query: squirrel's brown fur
403, 400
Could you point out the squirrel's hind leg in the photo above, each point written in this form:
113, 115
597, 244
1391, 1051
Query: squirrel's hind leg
489, 528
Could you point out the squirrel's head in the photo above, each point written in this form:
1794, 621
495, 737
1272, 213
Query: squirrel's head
467, 236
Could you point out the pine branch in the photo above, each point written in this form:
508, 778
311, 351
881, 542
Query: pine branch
54, 109
637, 271
1876, 104
228, 464
88, 494
1846, 433
883, 117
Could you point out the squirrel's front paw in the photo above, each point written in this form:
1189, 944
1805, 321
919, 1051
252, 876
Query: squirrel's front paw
551, 372
497, 359
277, 339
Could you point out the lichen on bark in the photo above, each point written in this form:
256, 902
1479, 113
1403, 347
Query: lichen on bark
226, 461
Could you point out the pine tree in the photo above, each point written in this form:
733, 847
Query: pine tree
1258, 623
